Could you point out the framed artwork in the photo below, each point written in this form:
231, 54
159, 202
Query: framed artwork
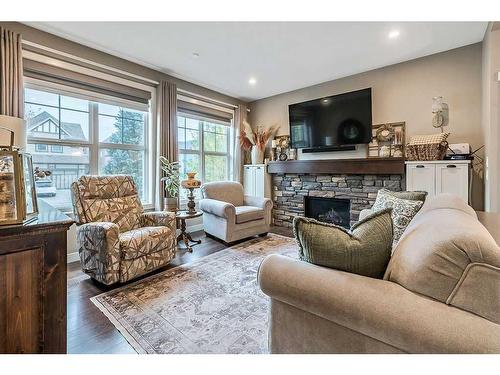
388, 141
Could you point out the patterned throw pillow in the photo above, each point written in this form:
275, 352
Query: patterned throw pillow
410, 195
364, 250
403, 210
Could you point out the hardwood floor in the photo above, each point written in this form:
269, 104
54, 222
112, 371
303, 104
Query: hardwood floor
89, 331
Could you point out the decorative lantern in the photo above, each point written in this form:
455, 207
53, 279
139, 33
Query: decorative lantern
18, 202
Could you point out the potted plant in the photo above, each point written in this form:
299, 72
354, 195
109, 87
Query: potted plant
256, 140
170, 181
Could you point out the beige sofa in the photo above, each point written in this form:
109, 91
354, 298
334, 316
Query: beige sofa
440, 293
230, 215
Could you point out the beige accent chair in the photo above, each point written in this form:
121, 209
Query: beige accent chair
440, 293
230, 215
117, 240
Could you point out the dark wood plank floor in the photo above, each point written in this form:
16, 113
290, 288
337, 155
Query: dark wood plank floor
89, 331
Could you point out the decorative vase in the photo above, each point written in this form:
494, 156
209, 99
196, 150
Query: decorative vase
257, 155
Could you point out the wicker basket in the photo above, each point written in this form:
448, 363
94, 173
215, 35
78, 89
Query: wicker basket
425, 152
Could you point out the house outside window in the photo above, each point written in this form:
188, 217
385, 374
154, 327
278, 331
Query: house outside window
70, 135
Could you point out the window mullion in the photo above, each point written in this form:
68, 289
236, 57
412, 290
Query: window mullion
94, 142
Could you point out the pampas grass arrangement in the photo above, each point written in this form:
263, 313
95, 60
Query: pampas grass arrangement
259, 137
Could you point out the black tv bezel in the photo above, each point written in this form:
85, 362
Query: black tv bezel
333, 148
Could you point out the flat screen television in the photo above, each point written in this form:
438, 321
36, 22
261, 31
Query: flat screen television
332, 123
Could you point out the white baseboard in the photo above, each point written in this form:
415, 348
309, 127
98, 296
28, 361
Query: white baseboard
74, 257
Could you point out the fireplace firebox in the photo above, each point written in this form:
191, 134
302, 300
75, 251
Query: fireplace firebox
329, 210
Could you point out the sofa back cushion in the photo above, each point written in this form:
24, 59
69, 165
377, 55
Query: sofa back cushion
447, 254
107, 198
226, 191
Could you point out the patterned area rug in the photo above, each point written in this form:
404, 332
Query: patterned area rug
212, 305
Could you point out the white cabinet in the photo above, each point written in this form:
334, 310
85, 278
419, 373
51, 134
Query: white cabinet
256, 182
436, 177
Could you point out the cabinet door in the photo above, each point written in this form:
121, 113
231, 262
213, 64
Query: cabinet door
249, 180
454, 179
259, 182
421, 177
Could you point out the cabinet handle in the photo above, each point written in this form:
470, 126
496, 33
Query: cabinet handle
420, 166
451, 166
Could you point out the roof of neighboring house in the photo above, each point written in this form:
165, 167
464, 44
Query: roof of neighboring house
71, 130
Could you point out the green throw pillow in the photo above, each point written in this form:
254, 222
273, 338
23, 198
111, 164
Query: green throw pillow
403, 210
365, 249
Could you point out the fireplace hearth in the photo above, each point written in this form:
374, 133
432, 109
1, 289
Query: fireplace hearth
328, 210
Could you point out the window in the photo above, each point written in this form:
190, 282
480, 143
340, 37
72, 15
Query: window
203, 147
70, 134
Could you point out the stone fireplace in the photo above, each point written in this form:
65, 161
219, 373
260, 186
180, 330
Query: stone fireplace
359, 190
329, 210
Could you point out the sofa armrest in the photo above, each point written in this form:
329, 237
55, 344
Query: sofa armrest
159, 219
99, 250
264, 203
218, 208
380, 309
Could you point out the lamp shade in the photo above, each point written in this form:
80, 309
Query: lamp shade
18, 126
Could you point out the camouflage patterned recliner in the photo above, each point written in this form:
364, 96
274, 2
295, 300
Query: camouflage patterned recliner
117, 241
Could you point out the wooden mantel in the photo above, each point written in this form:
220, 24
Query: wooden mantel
339, 166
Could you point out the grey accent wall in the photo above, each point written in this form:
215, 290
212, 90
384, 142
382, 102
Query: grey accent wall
403, 92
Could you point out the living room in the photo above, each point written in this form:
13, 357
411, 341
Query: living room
182, 187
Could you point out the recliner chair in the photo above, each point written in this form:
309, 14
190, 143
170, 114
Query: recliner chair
230, 215
117, 240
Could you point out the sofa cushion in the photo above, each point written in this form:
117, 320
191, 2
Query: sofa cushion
226, 191
447, 254
403, 211
364, 250
143, 241
248, 213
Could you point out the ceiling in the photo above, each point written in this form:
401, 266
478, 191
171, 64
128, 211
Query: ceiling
279, 56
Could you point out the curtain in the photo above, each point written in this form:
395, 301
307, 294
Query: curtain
240, 116
167, 121
11, 74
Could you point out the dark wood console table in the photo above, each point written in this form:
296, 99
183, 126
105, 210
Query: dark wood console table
33, 284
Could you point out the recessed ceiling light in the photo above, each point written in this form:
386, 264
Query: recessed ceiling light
393, 34
252, 81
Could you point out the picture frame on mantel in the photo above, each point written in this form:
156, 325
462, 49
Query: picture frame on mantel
388, 141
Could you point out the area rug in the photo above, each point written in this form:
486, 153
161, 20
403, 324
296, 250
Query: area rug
212, 305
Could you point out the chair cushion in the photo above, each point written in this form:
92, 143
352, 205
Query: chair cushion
123, 211
105, 187
146, 240
226, 191
365, 250
248, 213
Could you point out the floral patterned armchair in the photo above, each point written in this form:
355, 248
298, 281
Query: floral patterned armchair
117, 240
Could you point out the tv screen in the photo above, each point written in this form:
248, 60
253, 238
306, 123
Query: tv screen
334, 121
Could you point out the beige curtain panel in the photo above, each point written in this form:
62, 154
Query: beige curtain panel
240, 116
11, 74
167, 120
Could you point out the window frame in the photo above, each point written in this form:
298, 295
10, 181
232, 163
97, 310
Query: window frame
93, 144
201, 152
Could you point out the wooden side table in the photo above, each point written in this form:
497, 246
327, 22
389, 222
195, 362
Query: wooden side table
181, 217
